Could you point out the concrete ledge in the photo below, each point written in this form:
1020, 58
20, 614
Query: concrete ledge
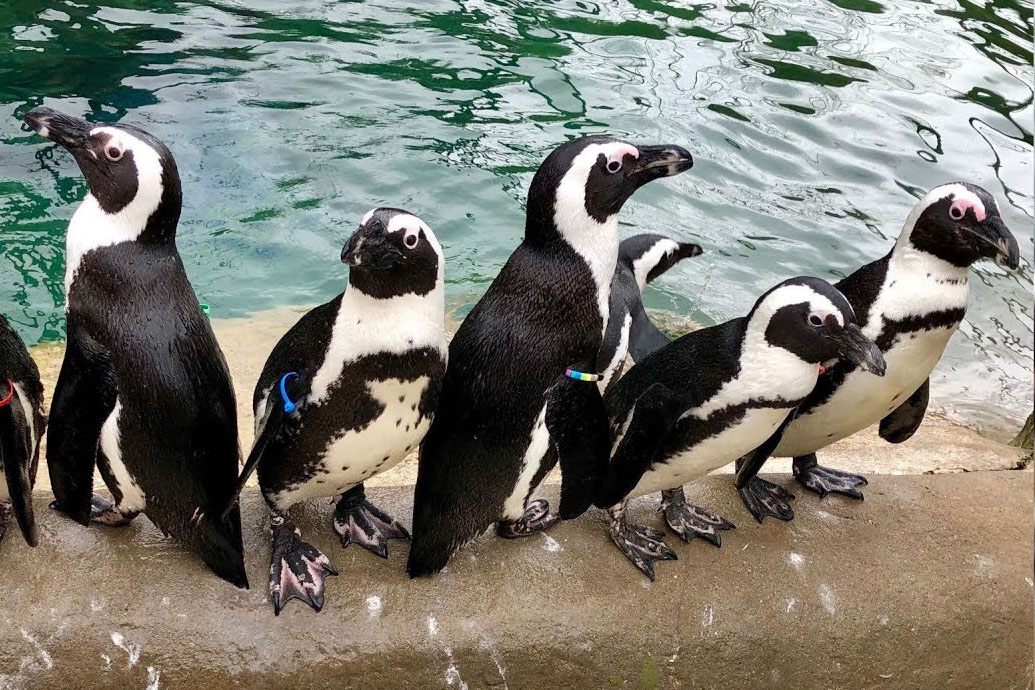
926, 584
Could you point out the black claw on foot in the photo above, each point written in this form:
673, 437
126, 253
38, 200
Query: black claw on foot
689, 521
764, 498
104, 512
641, 545
824, 480
297, 568
537, 518
357, 521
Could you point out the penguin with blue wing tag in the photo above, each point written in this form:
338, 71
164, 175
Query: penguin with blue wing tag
347, 393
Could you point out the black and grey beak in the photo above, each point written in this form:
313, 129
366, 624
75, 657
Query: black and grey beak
660, 161
370, 247
1001, 244
855, 347
70, 132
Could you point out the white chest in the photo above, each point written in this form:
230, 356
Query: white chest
755, 427
864, 399
358, 454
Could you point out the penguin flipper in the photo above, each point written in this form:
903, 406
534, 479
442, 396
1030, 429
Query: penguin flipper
654, 414
577, 422
84, 397
644, 336
902, 422
16, 457
764, 498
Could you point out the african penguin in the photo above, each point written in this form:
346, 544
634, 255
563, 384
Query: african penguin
909, 302
22, 422
711, 396
144, 392
515, 398
347, 393
641, 259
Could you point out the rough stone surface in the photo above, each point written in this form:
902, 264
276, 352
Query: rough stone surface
925, 584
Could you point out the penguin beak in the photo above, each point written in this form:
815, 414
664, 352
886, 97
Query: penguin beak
70, 132
1001, 245
660, 161
855, 347
370, 247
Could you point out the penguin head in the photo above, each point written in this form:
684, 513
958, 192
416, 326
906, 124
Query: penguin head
393, 253
960, 223
649, 255
130, 173
583, 184
810, 318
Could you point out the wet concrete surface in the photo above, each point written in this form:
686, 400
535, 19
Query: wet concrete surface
925, 584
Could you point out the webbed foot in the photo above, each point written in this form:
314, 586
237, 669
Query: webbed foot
297, 568
689, 521
825, 480
641, 545
104, 512
358, 521
537, 518
764, 498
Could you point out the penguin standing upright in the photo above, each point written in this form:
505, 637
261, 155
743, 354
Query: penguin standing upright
22, 423
909, 302
144, 392
711, 396
347, 393
641, 259
508, 410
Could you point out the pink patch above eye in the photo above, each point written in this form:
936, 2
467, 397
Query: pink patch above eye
961, 206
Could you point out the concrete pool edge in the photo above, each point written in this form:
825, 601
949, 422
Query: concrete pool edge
926, 583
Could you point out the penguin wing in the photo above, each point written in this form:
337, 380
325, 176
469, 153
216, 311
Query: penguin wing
577, 422
902, 422
16, 455
757, 457
84, 397
282, 423
654, 414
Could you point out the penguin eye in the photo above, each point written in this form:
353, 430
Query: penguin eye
956, 212
411, 238
113, 153
614, 166
816, 320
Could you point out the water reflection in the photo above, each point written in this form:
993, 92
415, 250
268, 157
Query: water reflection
814, 126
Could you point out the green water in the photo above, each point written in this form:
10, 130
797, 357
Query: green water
814, 125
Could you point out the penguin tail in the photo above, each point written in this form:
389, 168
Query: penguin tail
15, 456
220, 545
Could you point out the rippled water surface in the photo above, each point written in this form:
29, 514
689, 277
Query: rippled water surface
814, 125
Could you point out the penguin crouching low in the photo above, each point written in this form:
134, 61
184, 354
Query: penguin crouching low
22, 423
509, 411
144, 393
347, 393
713, 395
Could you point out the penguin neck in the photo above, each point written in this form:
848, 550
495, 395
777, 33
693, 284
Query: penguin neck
594, 242
916, 283
368, 326
770, 372
151, 218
